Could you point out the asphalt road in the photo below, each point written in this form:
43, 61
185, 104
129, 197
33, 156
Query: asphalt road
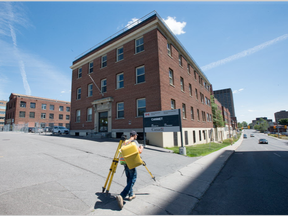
62, 175
253, 182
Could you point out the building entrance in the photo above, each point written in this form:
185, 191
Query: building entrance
103, 121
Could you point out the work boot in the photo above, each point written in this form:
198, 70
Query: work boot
120, 201
132, 197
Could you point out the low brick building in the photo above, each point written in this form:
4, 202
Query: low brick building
143, 69
2, 113
37, 111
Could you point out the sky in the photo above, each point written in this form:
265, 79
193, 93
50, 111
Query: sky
238, 45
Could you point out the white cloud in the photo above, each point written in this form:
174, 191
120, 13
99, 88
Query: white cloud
7, 20
244, 53
132, 23
250, 110
176, 27
236, 91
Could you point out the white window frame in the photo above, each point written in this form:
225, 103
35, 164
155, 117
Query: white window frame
192, 113
43, 106
180, 60
120, 81
78, 94
138, 107
183, 111
103, 85
104, 61
171, 77
89, 114
90, 67
79, 75
143, 74
188, 68
43, 115
120, 110
182, 84
173, 104
78, 115
139, 45
190, 89
120, 54
90, 90
169, 49
62, 108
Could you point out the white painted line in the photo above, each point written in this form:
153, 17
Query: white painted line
277, 154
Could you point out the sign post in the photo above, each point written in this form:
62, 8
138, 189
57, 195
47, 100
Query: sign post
163, 121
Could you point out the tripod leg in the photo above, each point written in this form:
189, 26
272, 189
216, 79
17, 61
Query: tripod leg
144, 164
113, 165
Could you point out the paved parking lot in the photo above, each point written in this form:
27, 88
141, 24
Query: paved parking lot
45, 174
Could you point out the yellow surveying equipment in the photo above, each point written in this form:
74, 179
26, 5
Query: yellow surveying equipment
131, 157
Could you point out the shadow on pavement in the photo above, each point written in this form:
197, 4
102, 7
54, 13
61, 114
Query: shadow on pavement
107, 201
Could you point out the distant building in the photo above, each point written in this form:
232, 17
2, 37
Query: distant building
225, 97
37, 111
269, 121
2, 113
281, 115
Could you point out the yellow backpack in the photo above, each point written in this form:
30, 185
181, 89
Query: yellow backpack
130, 155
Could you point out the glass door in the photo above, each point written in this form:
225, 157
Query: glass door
103, 122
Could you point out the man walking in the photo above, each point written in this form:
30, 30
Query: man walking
131, 174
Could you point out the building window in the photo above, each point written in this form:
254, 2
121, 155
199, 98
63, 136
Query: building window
120, 54
104, 61
78, 113
190, 89
198, 115
194, 136
182, 83
171, 77
61, 108
204, 137
196, 93
120, 110
169, 49
120, 81
89, 114
67, 109
90, 67
32, 115
140, 74
180, 60
67, 117
141, 107
79, 73
78, 94
44, 106
22, 114
195, 75
139, 45
51, 107
23, 104
173, 104
188, 68
51, 116
184, 111
103, 85
60, 116
60, 124
200, 135
32, 105
90, 90
192, 113
43, 115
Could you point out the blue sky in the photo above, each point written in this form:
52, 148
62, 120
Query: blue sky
238, 45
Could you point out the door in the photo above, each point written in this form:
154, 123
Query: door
103, 122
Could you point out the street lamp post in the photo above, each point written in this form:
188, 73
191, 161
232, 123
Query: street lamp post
278, 128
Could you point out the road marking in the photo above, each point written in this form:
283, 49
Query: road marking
277, 154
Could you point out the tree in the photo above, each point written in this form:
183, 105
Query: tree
283, 121
244, 124
261, 125
217, 115
239, 125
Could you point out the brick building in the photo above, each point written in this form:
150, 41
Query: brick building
143, 69
2, 113
24, 109
280, 115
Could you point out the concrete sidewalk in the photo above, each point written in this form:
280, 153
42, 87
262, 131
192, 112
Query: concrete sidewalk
176, 194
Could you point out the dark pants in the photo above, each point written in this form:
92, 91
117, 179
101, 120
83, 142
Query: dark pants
131, 175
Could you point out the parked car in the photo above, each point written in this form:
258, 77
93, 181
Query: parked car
48, 129
60, 130
30, 129
251, 135
263, 141
37, 130
244, 136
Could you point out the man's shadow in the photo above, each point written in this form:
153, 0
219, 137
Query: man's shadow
108, 201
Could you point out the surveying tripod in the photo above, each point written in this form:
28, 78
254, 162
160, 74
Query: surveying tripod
114, 164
